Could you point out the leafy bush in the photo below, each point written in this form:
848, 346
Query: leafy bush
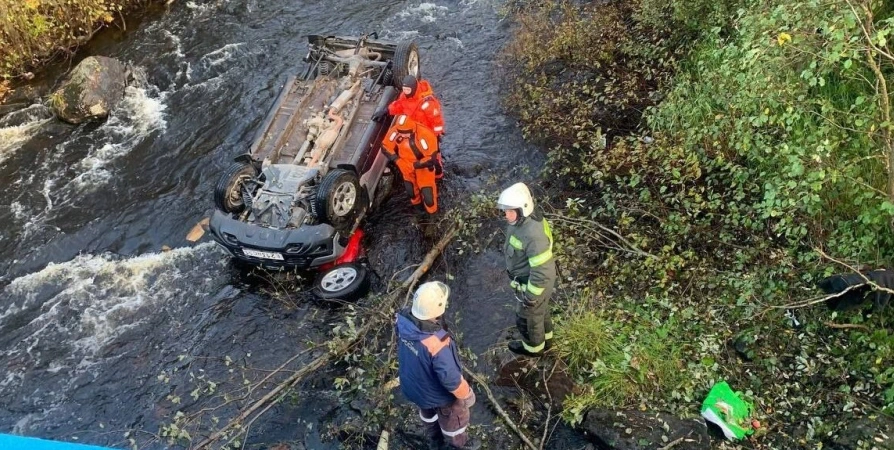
788, 109
32, 31
756, 133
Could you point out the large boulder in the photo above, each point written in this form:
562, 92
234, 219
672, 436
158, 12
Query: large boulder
636, 430
91, 90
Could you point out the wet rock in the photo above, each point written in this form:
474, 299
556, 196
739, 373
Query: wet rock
90, 91
636, 430
878, 431
12, 107
546, 377
466, 169
27, 94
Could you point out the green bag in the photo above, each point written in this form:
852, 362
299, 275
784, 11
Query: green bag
724, 408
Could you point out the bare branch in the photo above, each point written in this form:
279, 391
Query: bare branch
490, 396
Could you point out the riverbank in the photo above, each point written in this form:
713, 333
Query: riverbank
35, 32
738, 147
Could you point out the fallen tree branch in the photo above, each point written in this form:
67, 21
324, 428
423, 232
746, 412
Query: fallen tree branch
630, 247
846, 326
672, 444
490, 396
321, 361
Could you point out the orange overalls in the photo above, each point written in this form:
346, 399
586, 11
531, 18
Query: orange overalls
423, 108
414, 149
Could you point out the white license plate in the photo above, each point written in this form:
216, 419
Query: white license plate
260, 254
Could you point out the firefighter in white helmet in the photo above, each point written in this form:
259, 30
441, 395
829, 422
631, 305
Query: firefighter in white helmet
531, 268
429, 369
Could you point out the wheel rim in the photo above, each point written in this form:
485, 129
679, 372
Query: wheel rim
234, 194
413, 64
338, 279
343, 199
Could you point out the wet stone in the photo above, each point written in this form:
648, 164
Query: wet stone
636, 430
877, 431
90, 91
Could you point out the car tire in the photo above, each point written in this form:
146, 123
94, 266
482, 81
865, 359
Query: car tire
384, 189
339, 199
228, 192
348, 282
406, 62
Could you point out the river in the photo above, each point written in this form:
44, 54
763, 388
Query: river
100, 329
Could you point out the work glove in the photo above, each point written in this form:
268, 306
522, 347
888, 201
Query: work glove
470, 400
527, 300
379, 115
428, 164
391, 156
437, 166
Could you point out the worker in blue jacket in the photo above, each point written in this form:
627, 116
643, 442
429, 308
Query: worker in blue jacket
431, 375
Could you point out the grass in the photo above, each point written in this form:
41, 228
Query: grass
620, 360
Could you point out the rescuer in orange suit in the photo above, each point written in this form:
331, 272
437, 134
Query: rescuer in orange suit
418, 101
414, 149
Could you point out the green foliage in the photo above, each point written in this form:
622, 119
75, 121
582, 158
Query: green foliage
32, 31
621, 362
577, 71
765, 137
785, 113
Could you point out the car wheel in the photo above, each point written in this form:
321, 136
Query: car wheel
340, 198
406, 62
228, 192
348, 281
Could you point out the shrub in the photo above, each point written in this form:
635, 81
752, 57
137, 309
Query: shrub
32, 31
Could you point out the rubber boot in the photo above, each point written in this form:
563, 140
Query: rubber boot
433, 436
519, 349
471, 444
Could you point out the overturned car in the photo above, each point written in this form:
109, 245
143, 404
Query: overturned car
315, 169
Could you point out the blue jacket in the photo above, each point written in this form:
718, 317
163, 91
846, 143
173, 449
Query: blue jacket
428, 364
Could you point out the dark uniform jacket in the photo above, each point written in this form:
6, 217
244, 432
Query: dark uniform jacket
428, 364
529, 257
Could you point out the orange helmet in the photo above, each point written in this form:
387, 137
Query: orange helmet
404, 123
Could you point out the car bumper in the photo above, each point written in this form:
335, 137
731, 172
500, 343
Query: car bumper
306, 247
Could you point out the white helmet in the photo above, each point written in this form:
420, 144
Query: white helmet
517, 196
430, 300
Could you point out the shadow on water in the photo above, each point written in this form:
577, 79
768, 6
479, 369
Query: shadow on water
103, 333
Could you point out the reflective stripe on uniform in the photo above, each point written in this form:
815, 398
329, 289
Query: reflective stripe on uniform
424, 105
393, 136
453, 433
541, 258
515, 243
439, 129
534, 348
548, 335
428, 419
534, 289
424, 144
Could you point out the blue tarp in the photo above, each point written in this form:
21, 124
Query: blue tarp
9, 442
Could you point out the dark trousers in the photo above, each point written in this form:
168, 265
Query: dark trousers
535, 324
451, 420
